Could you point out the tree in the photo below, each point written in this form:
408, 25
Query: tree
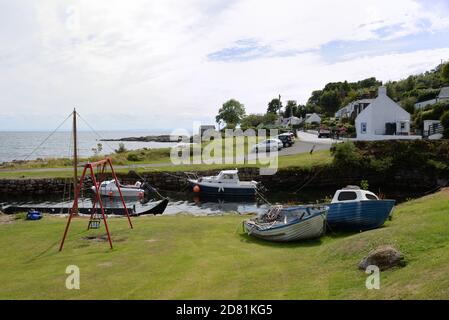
330, 102
274, 106
409, 104
231, 113
252, 121
315, 98
291, 109
270, 118
445, 72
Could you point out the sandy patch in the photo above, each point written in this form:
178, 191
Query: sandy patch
6, 219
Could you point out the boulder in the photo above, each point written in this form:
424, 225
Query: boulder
384, 257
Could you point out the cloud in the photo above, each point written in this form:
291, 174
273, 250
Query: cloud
167, 63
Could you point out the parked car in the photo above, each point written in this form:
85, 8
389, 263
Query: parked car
324, 133
291, 135
286, 139
268, 145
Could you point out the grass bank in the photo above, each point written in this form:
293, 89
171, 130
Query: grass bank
303, 160
176, 257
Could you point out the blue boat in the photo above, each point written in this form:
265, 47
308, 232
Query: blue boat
353, 209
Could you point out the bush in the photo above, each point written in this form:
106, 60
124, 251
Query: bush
345, 155
445, 122
121, 148
134, 157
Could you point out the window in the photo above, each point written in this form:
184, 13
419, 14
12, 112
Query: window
347, 196
363, 127
402, 125
371, 197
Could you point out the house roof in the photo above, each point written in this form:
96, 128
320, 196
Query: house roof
444, 93
353, 103
382, 99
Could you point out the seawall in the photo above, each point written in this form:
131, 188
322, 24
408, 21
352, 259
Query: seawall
289, 180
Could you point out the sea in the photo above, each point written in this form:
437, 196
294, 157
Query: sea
28, 145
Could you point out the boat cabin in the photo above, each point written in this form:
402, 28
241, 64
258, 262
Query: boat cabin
353, 194
228, 176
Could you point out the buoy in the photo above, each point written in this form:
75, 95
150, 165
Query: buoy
196, 189
110, 193
141, 195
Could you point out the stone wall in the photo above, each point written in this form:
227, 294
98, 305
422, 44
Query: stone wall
291, 180
32, 186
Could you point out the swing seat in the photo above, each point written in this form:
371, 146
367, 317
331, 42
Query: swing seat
94, 224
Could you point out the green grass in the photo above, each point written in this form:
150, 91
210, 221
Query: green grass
176, 257
303, 160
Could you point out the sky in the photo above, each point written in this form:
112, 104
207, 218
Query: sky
158, 65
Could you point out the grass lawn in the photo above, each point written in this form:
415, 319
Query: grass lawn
303, 160
175, 257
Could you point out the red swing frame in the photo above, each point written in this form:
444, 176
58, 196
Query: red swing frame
74, 210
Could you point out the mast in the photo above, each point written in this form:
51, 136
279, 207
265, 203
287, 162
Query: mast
75, 159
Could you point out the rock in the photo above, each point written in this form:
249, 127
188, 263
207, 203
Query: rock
384, 257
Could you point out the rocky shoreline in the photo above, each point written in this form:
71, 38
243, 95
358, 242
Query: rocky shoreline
160, 138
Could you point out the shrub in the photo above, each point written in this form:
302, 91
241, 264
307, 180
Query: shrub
121, 148
346, 155
134, 157
445, 122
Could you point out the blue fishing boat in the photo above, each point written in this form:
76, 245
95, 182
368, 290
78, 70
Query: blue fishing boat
353, 209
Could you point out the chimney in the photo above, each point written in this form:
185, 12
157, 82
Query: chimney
382, 91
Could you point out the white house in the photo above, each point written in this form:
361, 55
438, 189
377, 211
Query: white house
312, 118
383, 119
353, 109
442, 97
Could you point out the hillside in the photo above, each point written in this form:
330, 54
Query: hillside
408, 91
173, 257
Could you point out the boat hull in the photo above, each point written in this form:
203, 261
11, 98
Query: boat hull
360, 215
153, 209
305, 229
224, 190
126, 192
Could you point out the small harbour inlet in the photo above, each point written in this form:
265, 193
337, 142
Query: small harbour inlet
197, 205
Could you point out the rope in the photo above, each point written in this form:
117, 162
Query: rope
262, 197
310, 180
48, 137
95, 132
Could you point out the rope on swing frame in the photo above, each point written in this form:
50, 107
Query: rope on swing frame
48, 137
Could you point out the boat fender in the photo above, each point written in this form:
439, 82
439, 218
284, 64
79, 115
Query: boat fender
110, 193
34, 215
196, 189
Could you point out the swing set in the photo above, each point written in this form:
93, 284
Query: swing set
95, 217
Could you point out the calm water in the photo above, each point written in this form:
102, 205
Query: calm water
19, 145
184, 202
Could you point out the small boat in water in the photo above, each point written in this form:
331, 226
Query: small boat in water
153, 208
353, 209
109, 188
288, 224
225, 183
